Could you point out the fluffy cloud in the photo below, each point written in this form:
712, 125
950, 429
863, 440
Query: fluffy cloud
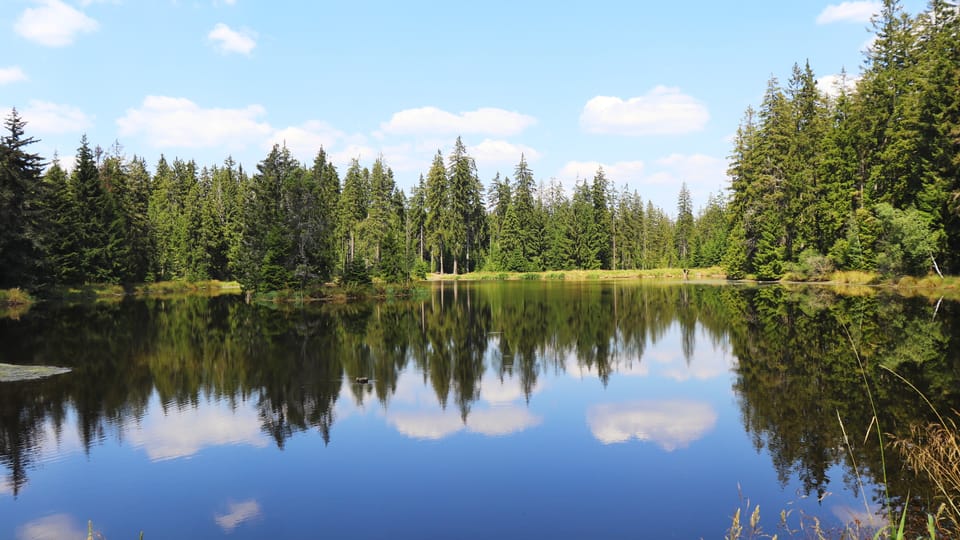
426, 425
53, 23
670, 424
304, 141
183, 433
431, 120
502, 152
228, 40
662, 111
658, 181
54, 527
831, 85
11, 74
47, 118
848, 12
178, 122
437, 424
237, 514
501, 421
358, 151
618, 173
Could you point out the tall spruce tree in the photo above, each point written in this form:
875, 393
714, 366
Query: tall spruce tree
21, 201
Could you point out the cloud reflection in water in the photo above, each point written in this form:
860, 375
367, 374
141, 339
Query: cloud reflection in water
237, 514
184, 432
671, 424
53, 527
435, 425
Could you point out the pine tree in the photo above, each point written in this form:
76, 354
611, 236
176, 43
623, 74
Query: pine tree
600, 196
328, 198
585, 234
352, 209
268, 258
684, 227
521, 242
21, 219
436, 223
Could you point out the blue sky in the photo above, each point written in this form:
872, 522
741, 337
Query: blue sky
653, 91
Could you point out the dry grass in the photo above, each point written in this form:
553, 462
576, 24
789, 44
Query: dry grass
933, 451
713, 273
15, 297
854, 277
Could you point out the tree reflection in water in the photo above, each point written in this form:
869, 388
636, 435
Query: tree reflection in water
791, 351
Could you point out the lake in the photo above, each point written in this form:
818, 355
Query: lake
505, 409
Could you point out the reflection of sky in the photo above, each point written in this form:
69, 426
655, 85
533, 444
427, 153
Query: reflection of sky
237, 513
670, 424
184, 432
437, 424
415, 411
54, 527
665, 358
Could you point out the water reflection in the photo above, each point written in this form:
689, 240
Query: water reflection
237, 514
183, 431
670, 424
178, 376
53, 527
437, 424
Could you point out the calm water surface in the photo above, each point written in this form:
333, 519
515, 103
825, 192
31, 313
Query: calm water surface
512, 410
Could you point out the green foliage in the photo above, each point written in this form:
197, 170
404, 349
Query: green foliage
356, 273
906, 243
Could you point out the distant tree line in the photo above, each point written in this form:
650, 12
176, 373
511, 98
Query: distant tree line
866, 180
289, 225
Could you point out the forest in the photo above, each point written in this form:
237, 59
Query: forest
863, 178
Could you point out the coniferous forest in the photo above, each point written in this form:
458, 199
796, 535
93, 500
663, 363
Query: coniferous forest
864, 178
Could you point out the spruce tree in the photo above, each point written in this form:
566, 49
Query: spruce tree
21, 219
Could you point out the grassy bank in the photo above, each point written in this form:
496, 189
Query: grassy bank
585, 275
103, 291
850, 282
339, 293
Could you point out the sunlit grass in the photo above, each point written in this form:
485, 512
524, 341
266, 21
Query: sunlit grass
15, 297
854, 277
712, 273
175, 287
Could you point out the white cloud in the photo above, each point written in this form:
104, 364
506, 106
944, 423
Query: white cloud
662, 111
53, 23
501, 421
495, 391
831, 85
237, 514
228, 40
618, 173
11, 74
361, 152
43, 117
183, 433
426, 425
848, 12
431, 120
53, 527
492, 152
304, 141
179, 122
694, 168
439, 424
658, 181
670, 424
